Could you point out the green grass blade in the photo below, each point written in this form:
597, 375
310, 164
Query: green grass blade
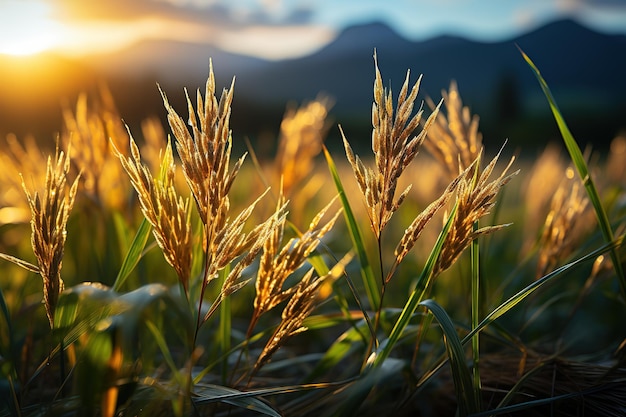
165, 351
581, 166
525, 292
513, 392
463, 384
210, 394
423, 283
353, 341
7, 319
371, 286
520, 296
475, 260
7, 370
225, 325
349, 401
529, 405
206, 393
134, 254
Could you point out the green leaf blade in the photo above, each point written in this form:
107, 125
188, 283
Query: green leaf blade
134, 254
581, 166
369, 279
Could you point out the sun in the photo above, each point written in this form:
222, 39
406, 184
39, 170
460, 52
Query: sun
26, 28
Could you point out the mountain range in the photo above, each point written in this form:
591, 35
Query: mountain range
585, 70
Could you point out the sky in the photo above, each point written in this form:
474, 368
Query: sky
274, 29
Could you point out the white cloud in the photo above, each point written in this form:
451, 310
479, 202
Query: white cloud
275, 42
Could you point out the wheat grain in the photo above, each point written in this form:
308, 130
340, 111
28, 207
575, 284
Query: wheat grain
564, 225
276, 266
475, 198
50, 212
454, 140
302, 133
167, 211
394, 149
302, 302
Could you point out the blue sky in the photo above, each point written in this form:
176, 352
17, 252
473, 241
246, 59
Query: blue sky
275, 29
486, 20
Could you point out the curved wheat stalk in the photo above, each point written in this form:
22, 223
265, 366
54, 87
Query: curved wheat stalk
50, 211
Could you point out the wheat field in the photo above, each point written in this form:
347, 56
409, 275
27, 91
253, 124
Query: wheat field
157, 272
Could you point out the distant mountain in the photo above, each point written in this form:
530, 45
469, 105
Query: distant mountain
585, 70
576, 62
172, 62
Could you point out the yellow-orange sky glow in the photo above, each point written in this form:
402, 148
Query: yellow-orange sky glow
77, 28
273, 29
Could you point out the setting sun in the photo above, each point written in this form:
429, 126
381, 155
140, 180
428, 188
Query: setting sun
26, 28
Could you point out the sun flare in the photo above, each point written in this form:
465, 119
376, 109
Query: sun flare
26, 28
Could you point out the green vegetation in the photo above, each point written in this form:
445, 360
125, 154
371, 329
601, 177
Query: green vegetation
159, 276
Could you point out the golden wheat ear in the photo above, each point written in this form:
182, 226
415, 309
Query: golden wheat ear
205, 150
454, 139
302, 133
475, 198
50, 212
167, 212
394, 145
278, 264
564, 226
92, 127
301, 304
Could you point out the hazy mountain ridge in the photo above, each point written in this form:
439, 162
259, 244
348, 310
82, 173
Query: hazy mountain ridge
584, 68
569, 56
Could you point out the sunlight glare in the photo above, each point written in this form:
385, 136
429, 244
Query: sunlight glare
26, 28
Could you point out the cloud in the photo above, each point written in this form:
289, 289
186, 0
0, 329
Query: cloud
270, 29
597, 5
276, 42
221, 13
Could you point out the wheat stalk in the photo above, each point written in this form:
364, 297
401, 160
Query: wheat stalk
302, 302
562, 226
205, 152
394, 149
167, 211
413, 232
454, 140
50, 212
277, 264
205, 156
540, 186
302, 132
92, 128
475, 198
